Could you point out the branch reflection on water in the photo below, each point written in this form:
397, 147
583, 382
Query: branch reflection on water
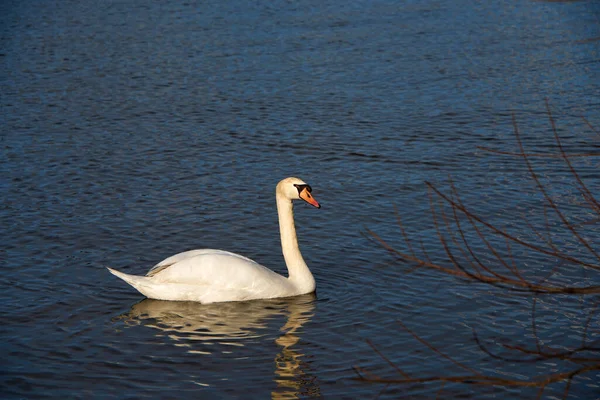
189, 324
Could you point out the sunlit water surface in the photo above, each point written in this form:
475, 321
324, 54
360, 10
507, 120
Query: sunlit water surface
135, 130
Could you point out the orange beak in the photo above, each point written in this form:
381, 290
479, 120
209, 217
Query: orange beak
307, 197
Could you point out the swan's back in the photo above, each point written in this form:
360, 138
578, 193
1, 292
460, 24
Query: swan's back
189, 254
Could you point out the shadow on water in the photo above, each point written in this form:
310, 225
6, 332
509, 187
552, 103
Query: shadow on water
193, 325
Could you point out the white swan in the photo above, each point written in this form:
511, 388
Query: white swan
211, 276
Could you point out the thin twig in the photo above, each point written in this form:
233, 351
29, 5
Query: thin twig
567, 387
590, 125
452, 236
540, 392
536, 155
468, 246
587, 195
533, 325
404, 235
434, 349
386, 359
587, 322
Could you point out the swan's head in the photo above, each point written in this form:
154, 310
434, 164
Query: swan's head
296, 189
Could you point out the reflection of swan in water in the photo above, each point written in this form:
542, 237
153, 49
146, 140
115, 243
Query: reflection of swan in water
189, 323
289, 373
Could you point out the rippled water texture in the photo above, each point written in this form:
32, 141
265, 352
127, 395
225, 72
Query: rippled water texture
132, 130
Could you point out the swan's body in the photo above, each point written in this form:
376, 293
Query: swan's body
211, 276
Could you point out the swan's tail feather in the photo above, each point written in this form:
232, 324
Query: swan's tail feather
137, 282
164, 290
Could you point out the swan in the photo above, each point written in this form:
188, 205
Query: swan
212, 276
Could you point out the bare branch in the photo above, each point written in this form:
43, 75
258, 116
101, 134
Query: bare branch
547, 197
539, 381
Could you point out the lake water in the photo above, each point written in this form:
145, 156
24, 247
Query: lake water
132, 131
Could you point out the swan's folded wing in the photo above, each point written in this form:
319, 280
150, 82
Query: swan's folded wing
167, 262
219, 269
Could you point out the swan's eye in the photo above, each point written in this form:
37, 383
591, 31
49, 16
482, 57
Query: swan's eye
302, 187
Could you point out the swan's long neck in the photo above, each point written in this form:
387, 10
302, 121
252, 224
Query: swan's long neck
299, 274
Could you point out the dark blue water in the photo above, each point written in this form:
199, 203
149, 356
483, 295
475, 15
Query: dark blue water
132, 131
